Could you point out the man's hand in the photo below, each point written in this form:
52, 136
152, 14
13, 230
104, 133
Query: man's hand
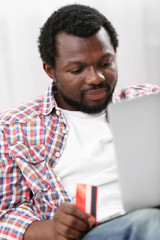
68, 223
71, 223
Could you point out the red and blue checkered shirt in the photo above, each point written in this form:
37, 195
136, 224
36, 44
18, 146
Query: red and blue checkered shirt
32, 139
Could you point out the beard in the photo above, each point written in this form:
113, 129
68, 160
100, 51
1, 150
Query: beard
82, 105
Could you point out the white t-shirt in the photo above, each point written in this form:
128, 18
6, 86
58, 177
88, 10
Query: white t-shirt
89, 158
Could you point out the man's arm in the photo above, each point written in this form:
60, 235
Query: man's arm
16, 211
68, 223
14, 222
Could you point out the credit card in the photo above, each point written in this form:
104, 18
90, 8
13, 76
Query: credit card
86, 198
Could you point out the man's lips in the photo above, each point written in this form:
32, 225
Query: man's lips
96, 94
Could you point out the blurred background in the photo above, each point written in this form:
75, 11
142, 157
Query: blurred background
21, 75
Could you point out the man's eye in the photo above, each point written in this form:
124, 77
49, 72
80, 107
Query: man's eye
105, 64
76, 71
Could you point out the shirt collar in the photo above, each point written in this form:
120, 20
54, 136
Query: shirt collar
115, 96
49, 102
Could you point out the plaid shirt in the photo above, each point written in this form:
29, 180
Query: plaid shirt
32, 139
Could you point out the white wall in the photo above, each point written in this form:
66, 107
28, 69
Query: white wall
21, 73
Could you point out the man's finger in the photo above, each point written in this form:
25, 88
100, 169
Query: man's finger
69, 232
71, 209
75, 223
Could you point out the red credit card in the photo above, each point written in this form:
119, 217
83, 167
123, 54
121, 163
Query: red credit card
86, 198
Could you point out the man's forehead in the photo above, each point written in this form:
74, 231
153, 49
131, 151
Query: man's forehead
67, 43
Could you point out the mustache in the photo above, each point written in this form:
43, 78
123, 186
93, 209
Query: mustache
94, 87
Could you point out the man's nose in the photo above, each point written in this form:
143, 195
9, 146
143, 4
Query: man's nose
94, 76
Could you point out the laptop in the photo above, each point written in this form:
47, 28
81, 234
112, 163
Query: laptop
135, 124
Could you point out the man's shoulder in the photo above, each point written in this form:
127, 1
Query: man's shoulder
138, 90
24, 113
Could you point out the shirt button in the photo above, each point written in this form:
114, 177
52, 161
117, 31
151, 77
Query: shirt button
64, 131
58, 112
58, 179
57, 154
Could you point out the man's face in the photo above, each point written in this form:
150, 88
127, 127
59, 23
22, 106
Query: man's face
85, 72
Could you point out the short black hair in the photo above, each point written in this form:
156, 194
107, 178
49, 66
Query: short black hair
76, 19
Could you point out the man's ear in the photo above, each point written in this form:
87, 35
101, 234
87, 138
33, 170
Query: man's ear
49, 70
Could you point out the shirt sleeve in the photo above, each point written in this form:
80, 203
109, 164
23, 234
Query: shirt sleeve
138, 90
16, 211
14, 222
